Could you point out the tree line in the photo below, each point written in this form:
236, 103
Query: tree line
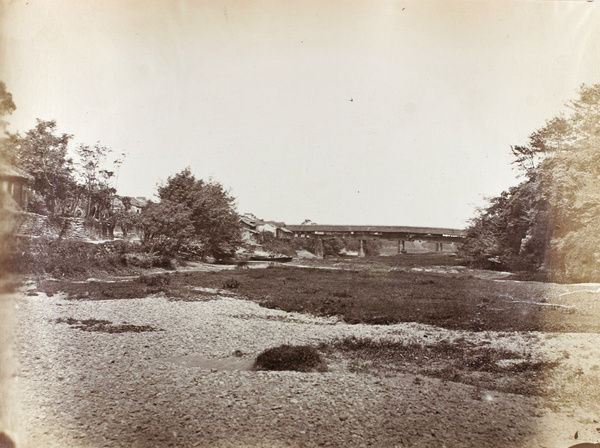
192, 217
550, 222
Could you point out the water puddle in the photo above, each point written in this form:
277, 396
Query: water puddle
231, 363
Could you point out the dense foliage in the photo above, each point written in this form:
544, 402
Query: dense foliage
193, 217
65, 181
550, 223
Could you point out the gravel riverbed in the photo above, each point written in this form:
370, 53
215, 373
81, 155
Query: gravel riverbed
182, 386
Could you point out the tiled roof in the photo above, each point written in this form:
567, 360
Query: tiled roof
248, 222
9, 171
276, 223
138, 202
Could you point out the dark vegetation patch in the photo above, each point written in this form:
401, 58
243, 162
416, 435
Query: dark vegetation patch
300, 358
136, 288
384, 296
458, 361
378, 296
104, 326
100, 290
284, 318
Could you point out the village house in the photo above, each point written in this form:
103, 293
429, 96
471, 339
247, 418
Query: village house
15, 182
138, 204
266, 227
248, 230
254, 230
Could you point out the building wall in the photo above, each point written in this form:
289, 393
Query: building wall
17, 190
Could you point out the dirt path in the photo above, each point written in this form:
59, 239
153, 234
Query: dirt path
177, 385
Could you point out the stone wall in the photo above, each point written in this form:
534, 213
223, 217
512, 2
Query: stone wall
31, 224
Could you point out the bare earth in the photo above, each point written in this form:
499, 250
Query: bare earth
181, 386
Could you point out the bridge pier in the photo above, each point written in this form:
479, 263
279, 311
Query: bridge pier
401, 247
319, 251
361, 248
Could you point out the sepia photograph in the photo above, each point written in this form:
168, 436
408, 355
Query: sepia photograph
299, 223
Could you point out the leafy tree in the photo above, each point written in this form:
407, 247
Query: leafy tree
96, 180
205, 206
166, 226
7, 140
7, 106
44, 154
502, 236
126, 217
550, 221
61, 186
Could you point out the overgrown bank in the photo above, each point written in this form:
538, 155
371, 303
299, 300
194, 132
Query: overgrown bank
549, 224
74, 259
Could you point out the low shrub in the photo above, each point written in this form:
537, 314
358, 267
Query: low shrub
165, 262
139, 259
155, 280
231, 283
299, 358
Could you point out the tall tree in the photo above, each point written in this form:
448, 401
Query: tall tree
554, 214
96, 179
206, 206
7, 141
7, 106
43, 153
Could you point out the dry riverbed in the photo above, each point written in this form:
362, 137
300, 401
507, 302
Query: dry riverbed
154, 372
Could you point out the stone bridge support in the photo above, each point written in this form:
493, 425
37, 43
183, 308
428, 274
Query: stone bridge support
319, 251
361, 248
401, 246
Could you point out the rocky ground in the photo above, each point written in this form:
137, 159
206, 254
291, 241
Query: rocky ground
153, 372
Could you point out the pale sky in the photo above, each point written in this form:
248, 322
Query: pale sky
342, 112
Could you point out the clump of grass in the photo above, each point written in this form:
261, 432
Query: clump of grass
458, 361
103, 326
231, 283
155, 280
106, 290
300, 358
344, 294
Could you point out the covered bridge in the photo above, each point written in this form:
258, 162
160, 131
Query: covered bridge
402, 234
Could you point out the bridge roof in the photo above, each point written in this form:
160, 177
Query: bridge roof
376, 229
